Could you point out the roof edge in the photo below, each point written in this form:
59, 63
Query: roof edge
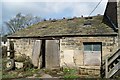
60, 36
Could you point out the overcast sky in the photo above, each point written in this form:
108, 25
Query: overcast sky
50, 8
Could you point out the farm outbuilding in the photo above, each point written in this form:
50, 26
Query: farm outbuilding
80, 42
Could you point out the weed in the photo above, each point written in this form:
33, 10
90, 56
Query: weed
70, 76
19, 73
70, 73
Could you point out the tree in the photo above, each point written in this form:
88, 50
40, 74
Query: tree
21, 21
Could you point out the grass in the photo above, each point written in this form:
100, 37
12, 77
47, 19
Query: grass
66, 27
70, 73
9, 75
20, 73
70, 76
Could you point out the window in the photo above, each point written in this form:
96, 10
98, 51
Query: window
87, 47
92, 47
96, 47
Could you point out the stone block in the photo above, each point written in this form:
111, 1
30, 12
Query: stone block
18, 65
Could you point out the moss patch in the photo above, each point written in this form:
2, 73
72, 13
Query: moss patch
75, 26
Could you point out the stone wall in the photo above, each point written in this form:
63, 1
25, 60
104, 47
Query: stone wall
23, 46
71, 49
113, 12
92, 71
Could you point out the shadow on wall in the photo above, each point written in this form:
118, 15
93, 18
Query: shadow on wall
110, 15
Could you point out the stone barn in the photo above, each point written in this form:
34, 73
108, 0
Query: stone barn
80, 42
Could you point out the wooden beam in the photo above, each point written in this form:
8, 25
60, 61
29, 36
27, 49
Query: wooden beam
106, 68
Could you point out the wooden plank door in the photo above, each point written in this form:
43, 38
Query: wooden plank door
52, 54
36, 52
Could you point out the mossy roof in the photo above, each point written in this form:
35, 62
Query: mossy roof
73, 26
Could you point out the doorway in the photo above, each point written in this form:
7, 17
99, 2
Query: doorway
43, 54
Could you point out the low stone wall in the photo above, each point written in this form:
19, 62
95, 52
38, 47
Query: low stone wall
91, 71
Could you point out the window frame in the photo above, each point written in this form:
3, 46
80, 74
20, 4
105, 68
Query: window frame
92, 45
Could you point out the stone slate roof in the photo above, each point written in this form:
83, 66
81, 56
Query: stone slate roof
73, 26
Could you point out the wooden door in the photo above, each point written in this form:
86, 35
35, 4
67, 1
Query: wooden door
36, 52
52, 54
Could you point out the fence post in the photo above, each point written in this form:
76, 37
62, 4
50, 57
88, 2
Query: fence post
106, 68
